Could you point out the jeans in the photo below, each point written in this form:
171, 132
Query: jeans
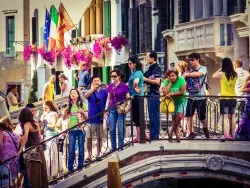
119, 119
154, 116
80, 136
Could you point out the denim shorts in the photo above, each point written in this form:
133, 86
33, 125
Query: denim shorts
227, 106
179, 108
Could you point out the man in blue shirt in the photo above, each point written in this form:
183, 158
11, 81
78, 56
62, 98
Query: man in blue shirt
152, 77
97, 97
84, 77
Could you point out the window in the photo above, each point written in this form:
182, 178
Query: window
229, 35
10, 35
73, 33
124, 12
34, 26
184, 11
222, 35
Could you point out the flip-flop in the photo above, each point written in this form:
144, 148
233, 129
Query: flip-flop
87, 160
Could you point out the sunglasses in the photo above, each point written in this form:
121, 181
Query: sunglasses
113, 76
191, 59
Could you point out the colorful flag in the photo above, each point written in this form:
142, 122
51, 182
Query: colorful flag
53, 27
46, 29
64, 24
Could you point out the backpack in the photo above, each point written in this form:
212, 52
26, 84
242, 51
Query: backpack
193, 85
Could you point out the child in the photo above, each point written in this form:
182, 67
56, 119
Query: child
62, 125
243, 130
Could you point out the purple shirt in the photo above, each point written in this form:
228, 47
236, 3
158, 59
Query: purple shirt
117, 94
101, 98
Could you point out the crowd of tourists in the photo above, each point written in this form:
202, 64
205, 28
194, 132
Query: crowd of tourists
93, 97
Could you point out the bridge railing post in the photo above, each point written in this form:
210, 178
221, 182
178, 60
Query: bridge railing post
142, 120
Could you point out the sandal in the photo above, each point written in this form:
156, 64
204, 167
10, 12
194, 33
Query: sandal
136, 140
87, 160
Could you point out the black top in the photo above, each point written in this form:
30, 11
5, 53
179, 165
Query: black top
33, 139
154, 71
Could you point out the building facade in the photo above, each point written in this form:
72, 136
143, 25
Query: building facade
205, 27
14, 35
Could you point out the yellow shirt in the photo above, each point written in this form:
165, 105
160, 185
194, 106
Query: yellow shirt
49, 92
227, 86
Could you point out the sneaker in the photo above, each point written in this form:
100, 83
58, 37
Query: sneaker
206, 132
191, 136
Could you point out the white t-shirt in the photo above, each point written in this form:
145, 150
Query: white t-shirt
63, 123
18, 130
242, 74
65, 93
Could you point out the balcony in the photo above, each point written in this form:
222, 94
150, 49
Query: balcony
203, 36
241, 22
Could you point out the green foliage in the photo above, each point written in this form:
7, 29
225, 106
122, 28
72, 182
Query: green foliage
34, 82
32, 97
34, 88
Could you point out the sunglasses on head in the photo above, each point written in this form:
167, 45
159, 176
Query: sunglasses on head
113, 76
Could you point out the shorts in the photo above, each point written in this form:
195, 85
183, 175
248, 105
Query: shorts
199, 105
94, 130
179, 108
227, 106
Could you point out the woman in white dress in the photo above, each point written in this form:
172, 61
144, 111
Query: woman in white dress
64, 85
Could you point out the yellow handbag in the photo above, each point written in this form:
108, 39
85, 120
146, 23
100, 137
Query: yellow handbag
167, 105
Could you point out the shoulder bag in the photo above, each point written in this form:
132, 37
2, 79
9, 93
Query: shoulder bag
122, 107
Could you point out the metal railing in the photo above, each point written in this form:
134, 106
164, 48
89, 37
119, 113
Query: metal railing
56, 148
2, 94
59, 101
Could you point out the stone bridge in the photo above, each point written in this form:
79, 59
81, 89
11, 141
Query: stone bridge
143, 163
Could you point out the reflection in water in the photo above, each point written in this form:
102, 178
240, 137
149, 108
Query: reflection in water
191, 183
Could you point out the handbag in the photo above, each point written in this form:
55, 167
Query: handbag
167, 105
122, 107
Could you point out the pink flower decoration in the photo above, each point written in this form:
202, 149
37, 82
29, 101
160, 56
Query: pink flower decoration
68, 56
88, 56
48, 56
100, 45
27, 53
118, 42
